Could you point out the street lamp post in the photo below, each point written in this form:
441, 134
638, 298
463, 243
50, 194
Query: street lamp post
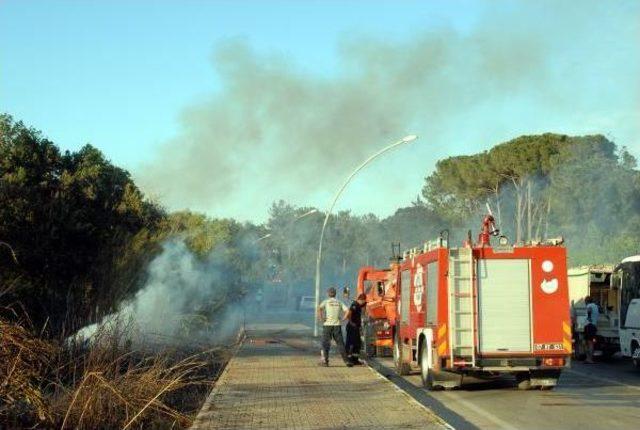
402, 141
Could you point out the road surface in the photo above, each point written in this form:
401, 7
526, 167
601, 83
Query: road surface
603, 395
274, 382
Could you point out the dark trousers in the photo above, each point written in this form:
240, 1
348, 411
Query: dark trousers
333, 332
353, 343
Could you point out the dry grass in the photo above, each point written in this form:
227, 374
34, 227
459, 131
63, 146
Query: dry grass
107, 385
23, 360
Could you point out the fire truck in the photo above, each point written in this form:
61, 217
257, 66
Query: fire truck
380, 287
481, 311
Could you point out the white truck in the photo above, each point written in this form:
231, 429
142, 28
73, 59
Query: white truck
595, 281
626, 279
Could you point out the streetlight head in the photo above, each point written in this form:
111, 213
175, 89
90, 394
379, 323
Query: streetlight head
409, 138
311, 212
263, 237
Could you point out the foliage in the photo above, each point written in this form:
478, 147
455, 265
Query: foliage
544, 185
77, 223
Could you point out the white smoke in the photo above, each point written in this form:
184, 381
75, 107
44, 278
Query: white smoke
275, 129
184, 299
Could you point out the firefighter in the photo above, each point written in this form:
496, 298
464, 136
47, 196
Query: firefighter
591, 328
354, 322
329, 311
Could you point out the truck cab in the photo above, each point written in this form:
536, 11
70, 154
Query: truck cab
380, 287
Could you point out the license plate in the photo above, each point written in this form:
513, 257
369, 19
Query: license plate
548, 347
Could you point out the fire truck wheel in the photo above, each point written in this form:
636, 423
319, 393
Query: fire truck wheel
402, 368
426, 370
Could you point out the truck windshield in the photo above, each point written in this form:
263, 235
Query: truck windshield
630, 286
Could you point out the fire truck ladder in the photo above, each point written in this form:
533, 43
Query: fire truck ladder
461, 310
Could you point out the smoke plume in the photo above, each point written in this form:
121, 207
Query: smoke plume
277, 130
184, 299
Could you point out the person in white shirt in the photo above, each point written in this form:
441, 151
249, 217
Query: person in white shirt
329, 312
591, 327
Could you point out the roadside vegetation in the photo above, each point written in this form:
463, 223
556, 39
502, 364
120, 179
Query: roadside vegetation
108, 384
77, 238
77, 235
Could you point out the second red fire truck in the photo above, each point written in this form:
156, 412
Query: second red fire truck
477, 310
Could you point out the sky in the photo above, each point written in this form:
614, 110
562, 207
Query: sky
227, 106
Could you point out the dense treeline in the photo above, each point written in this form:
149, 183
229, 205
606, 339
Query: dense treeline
78, 232
83, 233
69, 217
583, 188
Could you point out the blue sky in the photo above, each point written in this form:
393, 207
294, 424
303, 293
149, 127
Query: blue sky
121, 74
116, 73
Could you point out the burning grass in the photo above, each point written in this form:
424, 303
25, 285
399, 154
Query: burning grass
103, 384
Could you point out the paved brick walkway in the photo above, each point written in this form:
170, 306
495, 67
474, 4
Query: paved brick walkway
274, 382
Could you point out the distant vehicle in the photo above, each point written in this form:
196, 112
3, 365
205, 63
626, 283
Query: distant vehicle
595, 281
307, 303
627, 279
617, 291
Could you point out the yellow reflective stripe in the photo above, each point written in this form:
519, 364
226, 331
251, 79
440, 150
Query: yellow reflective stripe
442, 348
442, 331
566, 328
567, 345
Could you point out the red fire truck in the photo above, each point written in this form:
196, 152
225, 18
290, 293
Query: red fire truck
380, 286
483, 310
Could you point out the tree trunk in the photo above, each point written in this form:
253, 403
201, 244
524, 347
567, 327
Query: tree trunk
519, 213
496, 190
546, 221
529, 210
539, 214
518, 216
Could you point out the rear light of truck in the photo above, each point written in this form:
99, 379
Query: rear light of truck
556, 362
383, 333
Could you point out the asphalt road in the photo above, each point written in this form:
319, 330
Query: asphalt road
602, 395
